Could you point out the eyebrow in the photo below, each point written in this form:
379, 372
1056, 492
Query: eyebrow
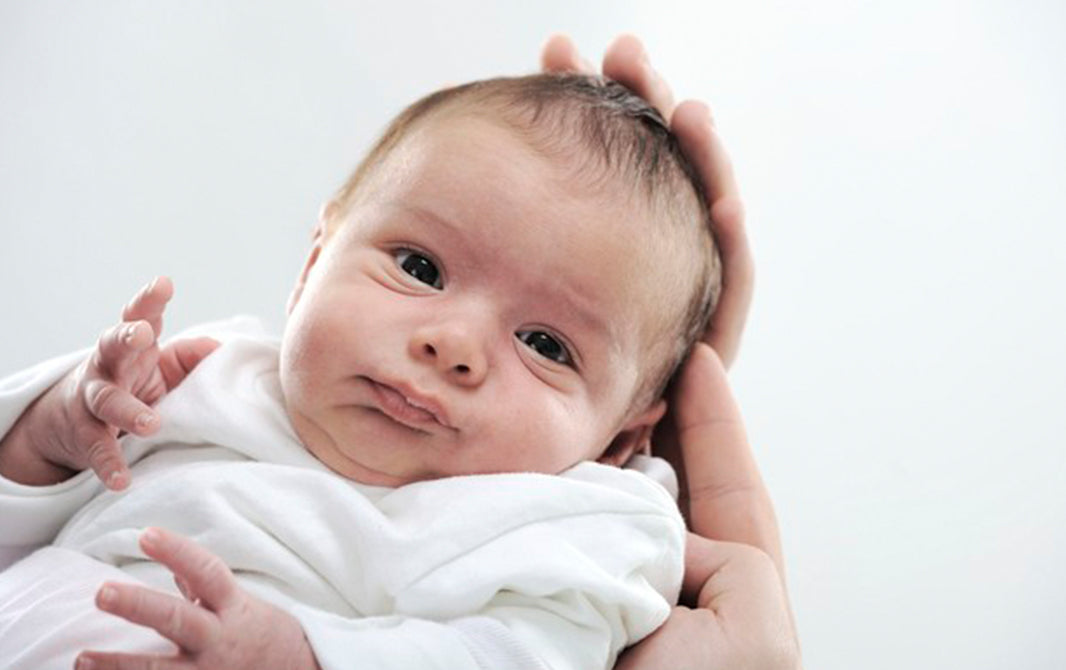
431, 217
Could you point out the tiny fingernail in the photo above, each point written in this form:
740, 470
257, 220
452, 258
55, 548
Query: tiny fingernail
106, 595
85, 664
150, 537
115, 480
144, 419
131, 332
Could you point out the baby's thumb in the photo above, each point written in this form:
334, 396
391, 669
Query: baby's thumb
181, 357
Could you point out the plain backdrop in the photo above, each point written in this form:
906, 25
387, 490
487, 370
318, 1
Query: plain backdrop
903, 166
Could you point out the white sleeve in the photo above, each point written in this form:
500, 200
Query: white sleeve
32, 515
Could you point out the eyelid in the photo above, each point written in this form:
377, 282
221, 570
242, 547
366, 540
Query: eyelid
576, 362
395, 249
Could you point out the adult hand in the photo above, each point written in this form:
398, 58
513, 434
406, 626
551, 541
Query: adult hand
734, 573
734, 569
627, 62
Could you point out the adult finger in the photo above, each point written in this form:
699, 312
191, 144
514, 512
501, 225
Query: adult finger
559, 54
179, 359
694, 127
189, 626
627, 62
116, 407
149, 304
727, 498
745, 590
104, 660
206, 575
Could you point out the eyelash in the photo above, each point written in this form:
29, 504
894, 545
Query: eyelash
402, 255
562, 355
558, 353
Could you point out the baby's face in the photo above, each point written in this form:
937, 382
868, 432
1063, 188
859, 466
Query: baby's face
474, 313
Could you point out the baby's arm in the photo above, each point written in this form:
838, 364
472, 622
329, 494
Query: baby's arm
76, 423
217, 625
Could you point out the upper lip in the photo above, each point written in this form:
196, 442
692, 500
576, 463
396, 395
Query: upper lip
419, 400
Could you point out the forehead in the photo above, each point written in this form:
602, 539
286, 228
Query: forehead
593, 240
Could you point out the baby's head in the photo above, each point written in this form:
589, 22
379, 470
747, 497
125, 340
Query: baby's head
505, 283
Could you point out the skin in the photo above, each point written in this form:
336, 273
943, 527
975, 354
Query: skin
389, 378
734, 567
739, 616
76, 424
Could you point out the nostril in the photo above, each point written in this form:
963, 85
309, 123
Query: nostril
462, 369
429, 350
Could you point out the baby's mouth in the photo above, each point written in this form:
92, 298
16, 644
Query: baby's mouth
403, 409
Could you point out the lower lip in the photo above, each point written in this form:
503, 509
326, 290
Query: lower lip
393, 405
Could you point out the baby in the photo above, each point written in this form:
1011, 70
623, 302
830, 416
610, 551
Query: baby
491, 308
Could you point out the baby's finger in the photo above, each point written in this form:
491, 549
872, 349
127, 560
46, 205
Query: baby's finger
149, 303
627, 62
105, 660
179, 358
559, 54
205, 574
119, 408
119, 346
96, 444
189, 626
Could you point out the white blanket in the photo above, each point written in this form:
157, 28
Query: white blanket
486, 571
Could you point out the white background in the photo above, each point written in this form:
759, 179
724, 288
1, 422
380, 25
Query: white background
903, 165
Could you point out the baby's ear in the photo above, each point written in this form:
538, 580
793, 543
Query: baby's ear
318, 237
635, 436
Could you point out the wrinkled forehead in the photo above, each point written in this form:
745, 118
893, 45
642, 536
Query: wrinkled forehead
582, 232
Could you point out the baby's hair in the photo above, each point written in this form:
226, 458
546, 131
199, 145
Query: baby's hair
605, 133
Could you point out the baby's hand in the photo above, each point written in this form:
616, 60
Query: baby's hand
76, 424
218, 625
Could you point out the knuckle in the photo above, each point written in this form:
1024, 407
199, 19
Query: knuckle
175, 620
101, 397
88, 440
757, 557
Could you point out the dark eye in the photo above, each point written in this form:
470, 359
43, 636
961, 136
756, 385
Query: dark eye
546, 345
419, 267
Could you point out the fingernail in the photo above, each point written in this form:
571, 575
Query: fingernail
85, 664
150, 537
115, 480
131, 332
106, 595
144, 420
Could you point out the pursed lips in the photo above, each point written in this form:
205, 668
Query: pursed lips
408, 407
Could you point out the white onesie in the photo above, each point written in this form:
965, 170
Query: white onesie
484, 571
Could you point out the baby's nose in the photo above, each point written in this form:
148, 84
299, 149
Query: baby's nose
454, 350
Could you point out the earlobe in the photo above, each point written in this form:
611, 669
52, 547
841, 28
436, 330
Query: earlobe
635, 437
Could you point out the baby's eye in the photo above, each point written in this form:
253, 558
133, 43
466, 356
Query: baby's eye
419, 266
546, 345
